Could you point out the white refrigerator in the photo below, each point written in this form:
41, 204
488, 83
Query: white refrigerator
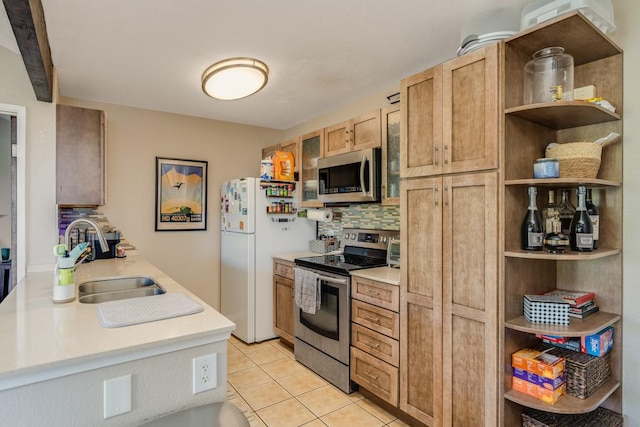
258, 220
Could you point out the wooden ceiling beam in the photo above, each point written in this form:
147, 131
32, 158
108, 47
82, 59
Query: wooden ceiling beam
29, 27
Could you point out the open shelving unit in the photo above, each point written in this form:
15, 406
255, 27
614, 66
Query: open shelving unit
528, 129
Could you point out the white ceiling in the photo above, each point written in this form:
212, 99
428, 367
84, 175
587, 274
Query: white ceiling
321, 53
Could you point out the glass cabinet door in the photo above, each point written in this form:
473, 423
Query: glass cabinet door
311, 149
391, 155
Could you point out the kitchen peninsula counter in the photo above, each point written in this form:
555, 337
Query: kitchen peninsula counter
41, 340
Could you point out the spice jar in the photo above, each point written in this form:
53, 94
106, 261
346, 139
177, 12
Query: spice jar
548, 76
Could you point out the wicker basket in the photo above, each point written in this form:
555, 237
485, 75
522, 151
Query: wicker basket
584, 373
324, 246
601, 417
577, 159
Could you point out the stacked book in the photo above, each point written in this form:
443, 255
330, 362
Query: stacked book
581, 304
549, 309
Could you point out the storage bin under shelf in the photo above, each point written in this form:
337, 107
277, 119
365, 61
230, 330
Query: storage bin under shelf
576, 328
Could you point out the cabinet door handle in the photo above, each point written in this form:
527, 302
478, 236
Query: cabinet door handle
435, 155
372, 345
373, 293
446, 196
370, 375
445, 156
372, 318
435, 195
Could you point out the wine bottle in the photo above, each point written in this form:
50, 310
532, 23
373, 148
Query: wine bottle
531, 232
567, 211
550, 214
581, 228
594, 215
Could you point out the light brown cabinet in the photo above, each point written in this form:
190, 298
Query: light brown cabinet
283, 297
375, 331
528, 129
311, 149
80, 145
450, 115
449, 299
356, 134
291, 146
391, 155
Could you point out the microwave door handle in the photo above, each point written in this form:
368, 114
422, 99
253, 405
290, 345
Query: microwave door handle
332, 280
362, 163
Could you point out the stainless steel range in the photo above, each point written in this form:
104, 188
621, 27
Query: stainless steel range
322, 339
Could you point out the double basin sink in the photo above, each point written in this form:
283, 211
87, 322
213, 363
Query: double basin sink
117, 288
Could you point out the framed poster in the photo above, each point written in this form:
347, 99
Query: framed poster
181, 194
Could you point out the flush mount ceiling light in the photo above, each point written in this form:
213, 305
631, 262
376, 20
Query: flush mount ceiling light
234, 78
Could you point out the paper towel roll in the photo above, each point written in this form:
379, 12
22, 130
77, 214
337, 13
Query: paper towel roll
321, 215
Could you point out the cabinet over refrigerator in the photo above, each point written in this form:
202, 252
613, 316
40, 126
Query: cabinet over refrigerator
258, 219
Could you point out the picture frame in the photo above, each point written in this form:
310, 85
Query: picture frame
181, 194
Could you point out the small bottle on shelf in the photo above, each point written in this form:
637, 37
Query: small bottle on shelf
594, 215
531, 232
555, 241
581, 228
566, 211
550, 214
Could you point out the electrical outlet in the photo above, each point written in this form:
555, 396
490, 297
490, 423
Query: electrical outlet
204, 373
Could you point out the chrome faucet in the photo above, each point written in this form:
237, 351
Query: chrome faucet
67, 234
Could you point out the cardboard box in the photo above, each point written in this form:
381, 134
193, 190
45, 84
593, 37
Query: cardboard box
548, 383
536, 362
597, 344
548, 396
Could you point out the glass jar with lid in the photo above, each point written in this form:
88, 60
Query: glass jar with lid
548, 76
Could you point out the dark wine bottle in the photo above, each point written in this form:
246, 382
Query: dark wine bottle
594, 215
581, 228
531, 232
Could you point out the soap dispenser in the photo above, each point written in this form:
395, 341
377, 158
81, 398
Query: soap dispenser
64, 286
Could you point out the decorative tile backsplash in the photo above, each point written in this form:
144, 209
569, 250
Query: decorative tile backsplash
67, 215
373, 216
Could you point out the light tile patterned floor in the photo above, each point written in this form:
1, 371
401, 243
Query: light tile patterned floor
274, 390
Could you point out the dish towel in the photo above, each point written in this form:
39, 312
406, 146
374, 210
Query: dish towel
306, 290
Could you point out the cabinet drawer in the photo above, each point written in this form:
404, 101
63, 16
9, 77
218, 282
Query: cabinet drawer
380, 320
283, 268
376, 344
378, 377
376, 293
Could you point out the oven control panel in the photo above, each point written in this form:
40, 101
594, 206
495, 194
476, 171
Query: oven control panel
369, 238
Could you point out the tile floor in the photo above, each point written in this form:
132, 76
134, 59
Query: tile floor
274, 390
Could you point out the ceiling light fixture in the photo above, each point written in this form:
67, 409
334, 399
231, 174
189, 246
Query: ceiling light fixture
234, 78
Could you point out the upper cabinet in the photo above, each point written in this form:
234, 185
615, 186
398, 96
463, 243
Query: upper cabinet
80, 145
291, 146
311, 149
391, 155
450, 116
355, 134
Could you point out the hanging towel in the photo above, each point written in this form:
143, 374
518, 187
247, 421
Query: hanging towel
306, 290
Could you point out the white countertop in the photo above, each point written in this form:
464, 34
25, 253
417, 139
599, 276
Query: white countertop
291, 256
41, 340
381, 274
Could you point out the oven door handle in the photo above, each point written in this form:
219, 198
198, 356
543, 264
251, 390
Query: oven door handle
332, 279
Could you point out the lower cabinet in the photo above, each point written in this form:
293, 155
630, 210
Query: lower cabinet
283, 297
375, 331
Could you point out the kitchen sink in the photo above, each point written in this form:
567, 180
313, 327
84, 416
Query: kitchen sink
117, 288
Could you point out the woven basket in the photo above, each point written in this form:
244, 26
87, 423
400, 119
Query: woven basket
577, 159
601, 417
584, 373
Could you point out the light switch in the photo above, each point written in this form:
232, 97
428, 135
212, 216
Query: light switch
117, 396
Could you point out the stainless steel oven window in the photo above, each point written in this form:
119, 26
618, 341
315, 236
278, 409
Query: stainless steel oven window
326, 320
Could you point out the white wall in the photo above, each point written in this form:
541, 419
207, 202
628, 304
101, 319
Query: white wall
40, 148
627, 13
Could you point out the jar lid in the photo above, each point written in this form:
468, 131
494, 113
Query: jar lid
546, 160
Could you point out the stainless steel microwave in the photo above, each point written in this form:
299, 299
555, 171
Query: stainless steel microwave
350, 178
